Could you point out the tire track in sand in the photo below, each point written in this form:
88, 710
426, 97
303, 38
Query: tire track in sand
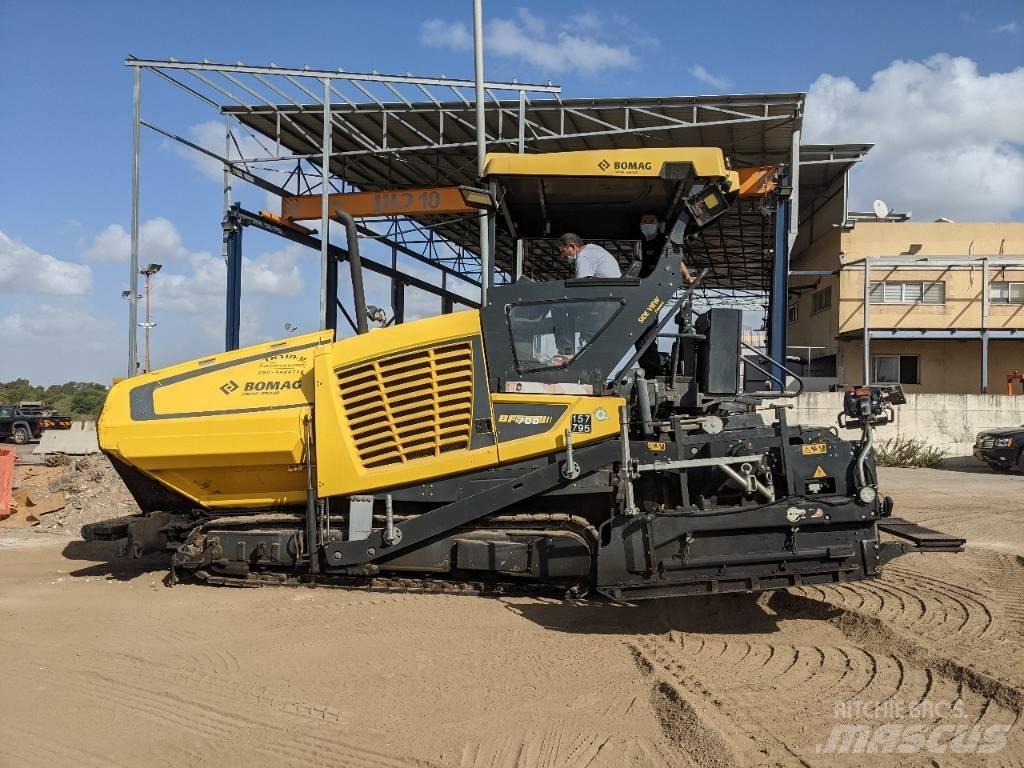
782, 692
274, 731
973, 610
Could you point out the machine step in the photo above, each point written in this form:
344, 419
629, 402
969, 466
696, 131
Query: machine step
924, 539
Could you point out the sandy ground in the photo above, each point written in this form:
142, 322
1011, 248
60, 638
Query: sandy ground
101, 665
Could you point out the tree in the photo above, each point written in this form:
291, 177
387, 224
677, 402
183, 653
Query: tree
19, 390
88, 402
80, 398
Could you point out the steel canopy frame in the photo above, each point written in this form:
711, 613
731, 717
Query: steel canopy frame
891, 264
221, 85
306, 131
756, 129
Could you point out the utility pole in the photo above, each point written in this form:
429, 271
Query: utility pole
133, 292
148, 325
481, 144
867, 321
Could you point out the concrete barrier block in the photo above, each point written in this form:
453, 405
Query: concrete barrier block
949, 422
75, 442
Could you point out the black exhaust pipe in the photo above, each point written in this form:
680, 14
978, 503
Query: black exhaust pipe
356, 266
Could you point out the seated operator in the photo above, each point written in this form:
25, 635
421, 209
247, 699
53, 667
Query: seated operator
578, 325
590, 260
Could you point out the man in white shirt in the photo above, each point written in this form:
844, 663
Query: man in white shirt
577, 328
590, 260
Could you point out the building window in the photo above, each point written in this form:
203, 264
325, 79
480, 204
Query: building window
908, 292
822, 299
794, 313
895, 369
1007, 293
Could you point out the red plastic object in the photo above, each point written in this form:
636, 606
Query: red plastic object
7, 457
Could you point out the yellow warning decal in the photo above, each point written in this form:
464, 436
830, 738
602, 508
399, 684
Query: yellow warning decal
813, 449
819, 472
656, 447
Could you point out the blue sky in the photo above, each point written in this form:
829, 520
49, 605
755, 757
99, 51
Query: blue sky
886, 72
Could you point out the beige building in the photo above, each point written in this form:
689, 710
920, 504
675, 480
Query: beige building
944, 310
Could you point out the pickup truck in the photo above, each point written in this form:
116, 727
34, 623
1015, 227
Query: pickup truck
1001, 448
21, 424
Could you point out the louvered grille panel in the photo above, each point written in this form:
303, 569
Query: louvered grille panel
409, 406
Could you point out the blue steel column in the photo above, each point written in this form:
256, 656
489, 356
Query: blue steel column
778, 302
233, 297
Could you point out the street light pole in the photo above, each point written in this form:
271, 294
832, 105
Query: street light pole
148, 325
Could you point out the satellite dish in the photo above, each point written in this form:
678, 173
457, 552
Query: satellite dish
881, 209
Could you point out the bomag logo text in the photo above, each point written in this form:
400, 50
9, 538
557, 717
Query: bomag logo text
654, 306
631, 165
519, 418
271, 386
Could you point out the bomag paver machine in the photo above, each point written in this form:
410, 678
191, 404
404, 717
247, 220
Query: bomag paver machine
514, 445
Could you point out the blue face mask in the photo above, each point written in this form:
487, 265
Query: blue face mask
649, 230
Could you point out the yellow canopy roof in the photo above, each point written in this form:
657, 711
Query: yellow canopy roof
707, 162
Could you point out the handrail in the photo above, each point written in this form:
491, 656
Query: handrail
782, 384
653, 339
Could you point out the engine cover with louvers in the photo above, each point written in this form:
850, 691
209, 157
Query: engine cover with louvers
403, 404
410, 406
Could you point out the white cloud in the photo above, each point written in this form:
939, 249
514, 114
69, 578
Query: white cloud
79, 346
159, 242
194, 282
274, 273
48, 321
1010, 27
25, 270
715, 81
437, 33
949, 140
589, 22
533, 25
187, 303
211, 135
585, 43
112, 244
196, 292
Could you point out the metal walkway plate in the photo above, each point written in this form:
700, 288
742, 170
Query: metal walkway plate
925, 539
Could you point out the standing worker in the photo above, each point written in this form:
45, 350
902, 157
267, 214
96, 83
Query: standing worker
653, 244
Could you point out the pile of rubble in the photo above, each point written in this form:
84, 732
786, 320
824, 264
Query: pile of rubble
66, 497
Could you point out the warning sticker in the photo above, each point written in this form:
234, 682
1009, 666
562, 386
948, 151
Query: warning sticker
813, 449
819, 472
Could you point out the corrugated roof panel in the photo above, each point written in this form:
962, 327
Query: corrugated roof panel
753, 130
